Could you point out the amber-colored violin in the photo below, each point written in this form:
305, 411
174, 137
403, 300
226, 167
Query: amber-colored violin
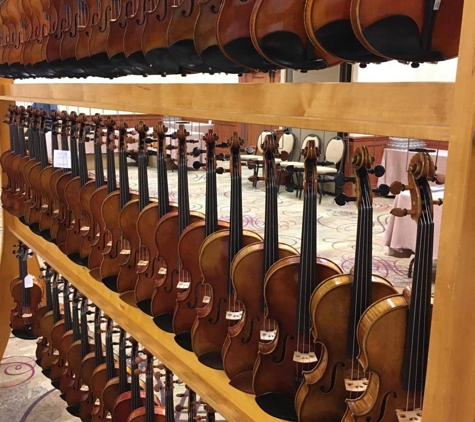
335, 309
287, 288
192, 292
217, 252
393, 333
167, 235
248, 271
27, 295
409, 31
278, 34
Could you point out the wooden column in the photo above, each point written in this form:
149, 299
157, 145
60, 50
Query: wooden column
450, 388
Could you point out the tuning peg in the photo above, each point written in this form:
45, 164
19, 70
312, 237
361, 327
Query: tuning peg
139, 360
192, 141
340, 180
157, 388
171, 147
438, 202
220, 170
342, 199
377, 170
398, 187
197, 152
382, 190
138, 372
221, 145
401, 212
197, 165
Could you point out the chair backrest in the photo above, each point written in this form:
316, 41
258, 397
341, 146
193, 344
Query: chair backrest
335, 150
311, 137
260, 139
287, 142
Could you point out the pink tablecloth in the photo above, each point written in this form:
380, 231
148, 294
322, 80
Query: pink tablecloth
395, 162
401, 233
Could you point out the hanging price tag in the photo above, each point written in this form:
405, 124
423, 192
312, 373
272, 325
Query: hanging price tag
162, 271
206, 299
183, 285
28, 281
62, 159
437, 4
268, 335
233, 316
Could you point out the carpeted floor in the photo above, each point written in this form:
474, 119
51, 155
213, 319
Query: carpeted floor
27, 396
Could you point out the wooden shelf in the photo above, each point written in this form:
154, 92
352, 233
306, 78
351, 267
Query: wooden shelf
209, 384
416, 110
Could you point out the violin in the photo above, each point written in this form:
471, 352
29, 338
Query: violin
132, 45
393, 333
167, 234
409, 31
47, 195
278, 34
87, 191
99, 234
191, 295
150, 412
216, 255
60, 16
19, 192
117, 385
60, 179
72, 193
180, 37
129, 401
234, 35
29, 35
78, 351
18, 33
117, 247
128, 217
329, 27
154, 38
27, 295
41, 29
104, 373
42, 343
336, 376
282, 361
206, 40
149, 217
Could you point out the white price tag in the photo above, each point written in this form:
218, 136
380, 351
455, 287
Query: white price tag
268, 335
125, 252
183, 285
142, 263
62, 159
437, 4
206, 299
233, 316
162, 271
305, 357
28, 281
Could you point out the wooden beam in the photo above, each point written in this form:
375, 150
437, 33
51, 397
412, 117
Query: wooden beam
213, 386
450, 387
416, 110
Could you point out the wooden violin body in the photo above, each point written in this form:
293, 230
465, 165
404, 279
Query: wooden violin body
242, 343
62, 218
278, 33
165, 293
98, 244
33, 217
98, 382
139, 415
87, 233
234, 35
123, 406
211, 326
17, 320
206, 41
47, 198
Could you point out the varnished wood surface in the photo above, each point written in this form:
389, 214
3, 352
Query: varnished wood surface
211, 385
450, 386
418, 110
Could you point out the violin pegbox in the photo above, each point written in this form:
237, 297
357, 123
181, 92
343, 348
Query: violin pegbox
421, 171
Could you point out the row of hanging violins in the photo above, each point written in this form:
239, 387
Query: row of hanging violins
92, 381
287, 327
111, 38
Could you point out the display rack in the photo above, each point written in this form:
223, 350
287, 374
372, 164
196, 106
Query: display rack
437, 111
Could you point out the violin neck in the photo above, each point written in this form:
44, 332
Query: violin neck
122, 363
144, 197
211, 213
111, 179
149, 394
84, 335
191, 405
98, 166
74, 156
271, 230
162, 175
124, 179
110, 364
169, 402
183, 196
76, 329
135, 388
83, 176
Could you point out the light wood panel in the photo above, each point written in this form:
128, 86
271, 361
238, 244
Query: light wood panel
211, 385
450, 388
419, 110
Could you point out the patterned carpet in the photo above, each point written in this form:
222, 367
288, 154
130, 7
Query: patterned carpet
27, 396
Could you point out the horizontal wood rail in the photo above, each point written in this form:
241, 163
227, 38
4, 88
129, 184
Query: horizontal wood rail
211, 385
415, 110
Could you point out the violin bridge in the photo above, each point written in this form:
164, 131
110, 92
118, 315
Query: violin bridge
85, 229
268, 335
55, 213
356, 386
27, 315
233, 315
301, 357
409, 415
44, 207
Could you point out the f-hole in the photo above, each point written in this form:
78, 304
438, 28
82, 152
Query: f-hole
187, 14
247, 339
162, 16
218, 312
195, 301
333, 379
